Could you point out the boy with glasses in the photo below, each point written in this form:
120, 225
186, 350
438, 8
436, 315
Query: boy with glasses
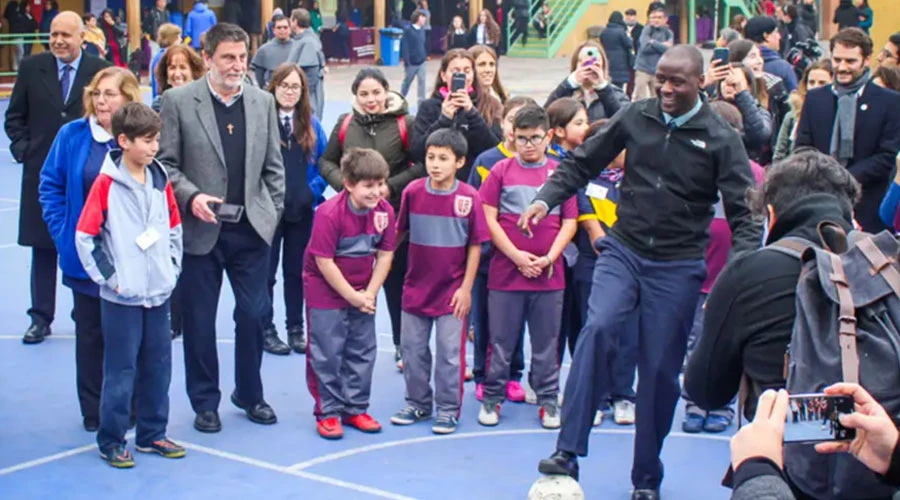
526, 278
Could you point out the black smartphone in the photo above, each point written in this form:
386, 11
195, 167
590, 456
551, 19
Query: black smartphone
227, 212
458, 82
721, 54
813, 418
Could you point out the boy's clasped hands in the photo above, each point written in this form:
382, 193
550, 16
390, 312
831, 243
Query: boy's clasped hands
364, 300
531, 266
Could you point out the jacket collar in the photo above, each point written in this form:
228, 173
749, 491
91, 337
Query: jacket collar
653, 110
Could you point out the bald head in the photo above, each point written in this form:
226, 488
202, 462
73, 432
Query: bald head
66, 36
687, 55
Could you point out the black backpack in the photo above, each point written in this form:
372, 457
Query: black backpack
846, 328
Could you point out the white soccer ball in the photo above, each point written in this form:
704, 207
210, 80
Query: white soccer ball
555, 488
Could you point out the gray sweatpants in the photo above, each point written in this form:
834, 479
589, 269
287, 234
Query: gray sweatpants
543, 313
450, 342
340, 358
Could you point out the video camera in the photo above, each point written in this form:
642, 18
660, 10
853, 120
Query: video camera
802, 54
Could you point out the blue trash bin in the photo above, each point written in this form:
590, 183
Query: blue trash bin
390, 46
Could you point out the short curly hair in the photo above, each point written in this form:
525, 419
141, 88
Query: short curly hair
806, 172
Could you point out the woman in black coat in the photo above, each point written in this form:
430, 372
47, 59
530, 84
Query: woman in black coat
619, 49
590, 83
473, 112
457, 35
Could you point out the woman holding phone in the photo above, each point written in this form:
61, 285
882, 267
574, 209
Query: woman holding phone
459, 102
589, 83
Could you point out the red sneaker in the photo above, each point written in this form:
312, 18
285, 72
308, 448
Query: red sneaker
364, 422
330, 428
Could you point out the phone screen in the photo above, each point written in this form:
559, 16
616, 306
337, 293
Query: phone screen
226, 212
813, 418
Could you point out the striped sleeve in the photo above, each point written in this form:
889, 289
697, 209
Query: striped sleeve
585, 207
175, 230
88, 234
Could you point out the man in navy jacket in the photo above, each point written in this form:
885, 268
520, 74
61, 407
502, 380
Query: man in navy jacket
856, 122
413, 49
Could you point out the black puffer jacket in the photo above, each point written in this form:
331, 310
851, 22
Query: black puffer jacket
619, 48
846, 15
381, 133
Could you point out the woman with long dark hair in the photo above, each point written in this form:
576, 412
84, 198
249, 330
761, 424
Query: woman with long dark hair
470, 110
303, 142
589, 83
486, 31
380, 120
116, 39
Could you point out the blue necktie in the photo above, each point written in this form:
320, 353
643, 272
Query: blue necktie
65, 82
672, 125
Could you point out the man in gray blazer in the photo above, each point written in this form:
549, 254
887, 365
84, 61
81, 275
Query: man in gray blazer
219, 143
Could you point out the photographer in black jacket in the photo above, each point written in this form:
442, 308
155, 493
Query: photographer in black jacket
681, 156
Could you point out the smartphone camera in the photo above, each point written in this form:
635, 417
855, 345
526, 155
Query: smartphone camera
813, 418
458, 82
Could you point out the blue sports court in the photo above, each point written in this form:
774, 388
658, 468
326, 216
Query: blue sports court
45, 452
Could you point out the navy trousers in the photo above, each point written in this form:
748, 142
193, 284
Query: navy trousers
137, 345
294, 236
664, 294
244, 257
480, 324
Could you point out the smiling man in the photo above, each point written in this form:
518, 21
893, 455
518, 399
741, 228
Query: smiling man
48, 94
856, 122
681, 157
220, 145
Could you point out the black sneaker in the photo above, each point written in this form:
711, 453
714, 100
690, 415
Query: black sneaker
409, 416
165, 447
445, 424
118, 457
91, 424
561, 463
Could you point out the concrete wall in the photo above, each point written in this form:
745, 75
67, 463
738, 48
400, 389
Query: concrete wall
598, 14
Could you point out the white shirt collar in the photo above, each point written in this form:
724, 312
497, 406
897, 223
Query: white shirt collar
97, 132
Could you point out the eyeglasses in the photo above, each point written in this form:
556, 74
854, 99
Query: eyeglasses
290, 88
106, 95
534, 140
887, 54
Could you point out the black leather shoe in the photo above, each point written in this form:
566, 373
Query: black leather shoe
561, 463
645, 495
297, 339
91, 424
208, 421
36, 333
273, 345
260, 413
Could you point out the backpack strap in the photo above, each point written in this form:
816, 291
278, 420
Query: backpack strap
345, 124
847, 321
404, 133
881, 264
791, 245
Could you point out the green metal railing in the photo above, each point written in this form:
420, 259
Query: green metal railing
559, 24
7, 40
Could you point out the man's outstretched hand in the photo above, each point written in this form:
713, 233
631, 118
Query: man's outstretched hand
533, 214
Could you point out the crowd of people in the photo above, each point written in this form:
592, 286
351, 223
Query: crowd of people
632, 232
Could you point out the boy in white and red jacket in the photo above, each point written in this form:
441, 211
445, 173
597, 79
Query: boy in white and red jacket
129, 240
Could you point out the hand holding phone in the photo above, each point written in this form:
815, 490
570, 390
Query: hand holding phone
227, 212
457, 82
721, 54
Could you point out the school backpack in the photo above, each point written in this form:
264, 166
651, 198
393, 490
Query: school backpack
846, 328
401, 126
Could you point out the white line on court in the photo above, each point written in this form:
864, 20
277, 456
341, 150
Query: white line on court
10, 200
9, 245
53, 458
9, 209
468, 435
285, 470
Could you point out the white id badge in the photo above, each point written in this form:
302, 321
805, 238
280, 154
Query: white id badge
147, 238
596, 191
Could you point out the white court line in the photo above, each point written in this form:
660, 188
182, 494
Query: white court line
55, 457
47, 459
9, 245
10, 200
9, 209
467, 435
359, 488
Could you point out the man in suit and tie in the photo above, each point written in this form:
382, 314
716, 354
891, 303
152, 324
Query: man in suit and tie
220, 145
47, 95
856, 122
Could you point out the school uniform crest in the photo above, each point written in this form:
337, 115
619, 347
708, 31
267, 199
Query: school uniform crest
381, 221
462, 205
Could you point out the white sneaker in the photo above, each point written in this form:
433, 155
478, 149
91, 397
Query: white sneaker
598, 418
530, 395
623, 412
489, 415
550, 416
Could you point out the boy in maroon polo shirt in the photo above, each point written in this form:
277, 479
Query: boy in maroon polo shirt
526, 278
352, 232
446, 225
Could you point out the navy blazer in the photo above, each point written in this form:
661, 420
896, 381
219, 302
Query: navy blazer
876, 141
